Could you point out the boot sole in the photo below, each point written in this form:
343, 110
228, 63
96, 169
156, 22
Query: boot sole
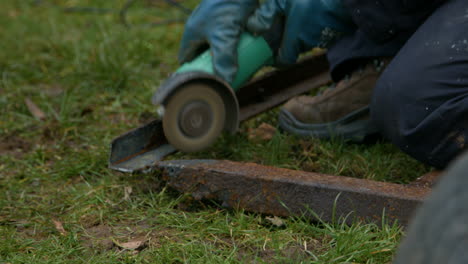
351, 127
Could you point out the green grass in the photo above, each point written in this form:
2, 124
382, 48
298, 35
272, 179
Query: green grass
94, 78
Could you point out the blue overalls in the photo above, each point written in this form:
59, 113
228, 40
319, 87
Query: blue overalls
420, 102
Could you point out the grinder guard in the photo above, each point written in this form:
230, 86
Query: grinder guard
178, 80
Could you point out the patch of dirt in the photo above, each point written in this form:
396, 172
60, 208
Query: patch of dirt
98, 237
104, 237
50, 131
12, 145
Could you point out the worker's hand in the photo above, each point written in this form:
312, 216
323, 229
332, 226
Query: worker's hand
219, 24
308, 24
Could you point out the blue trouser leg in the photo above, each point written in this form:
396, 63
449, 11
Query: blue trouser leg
356, 49
421, 100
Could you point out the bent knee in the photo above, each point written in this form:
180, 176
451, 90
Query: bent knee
422, 121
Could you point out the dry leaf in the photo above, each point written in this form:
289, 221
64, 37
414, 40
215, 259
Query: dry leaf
276, 221
127, 191
34, 109
263, 132
132, 245
59, 226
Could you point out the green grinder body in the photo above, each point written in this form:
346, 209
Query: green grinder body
253, 53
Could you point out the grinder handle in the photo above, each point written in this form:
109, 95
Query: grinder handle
253, 53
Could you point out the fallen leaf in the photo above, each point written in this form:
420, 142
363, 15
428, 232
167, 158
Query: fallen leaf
34, 109
127, 191
276, 221
59, 226
263, 132
137, 244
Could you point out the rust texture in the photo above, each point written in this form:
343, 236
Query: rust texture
428, 180
284, 192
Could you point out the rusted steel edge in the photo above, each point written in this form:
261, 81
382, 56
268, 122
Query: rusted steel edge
285, 192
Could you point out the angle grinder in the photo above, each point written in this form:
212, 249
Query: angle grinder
197, 106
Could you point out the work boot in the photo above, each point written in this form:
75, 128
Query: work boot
340, 111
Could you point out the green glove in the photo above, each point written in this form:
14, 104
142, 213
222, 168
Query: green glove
219, 24
308, 24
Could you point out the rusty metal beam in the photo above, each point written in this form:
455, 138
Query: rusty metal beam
285, 192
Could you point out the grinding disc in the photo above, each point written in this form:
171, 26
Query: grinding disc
194, 117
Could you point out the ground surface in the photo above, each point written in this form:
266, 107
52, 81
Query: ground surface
70, 81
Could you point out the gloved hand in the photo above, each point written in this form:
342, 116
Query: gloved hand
308, 24
218, 23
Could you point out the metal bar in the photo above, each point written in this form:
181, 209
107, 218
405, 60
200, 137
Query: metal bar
284, 192
274, 88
